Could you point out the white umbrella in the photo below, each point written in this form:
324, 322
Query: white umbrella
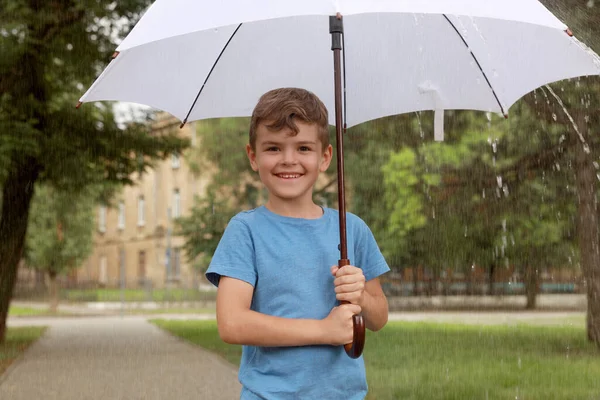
201, 59
401, 55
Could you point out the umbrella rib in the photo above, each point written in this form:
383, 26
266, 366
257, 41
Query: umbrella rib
208, 76
478, 64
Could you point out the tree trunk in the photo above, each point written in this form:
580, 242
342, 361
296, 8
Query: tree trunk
53, 292
531, 286
491, 278
16, 198
415, 277
587, 230
471, 282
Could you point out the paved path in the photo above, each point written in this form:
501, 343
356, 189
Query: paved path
114, 358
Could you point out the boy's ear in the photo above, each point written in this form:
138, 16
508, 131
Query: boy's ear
252, 157
327, 155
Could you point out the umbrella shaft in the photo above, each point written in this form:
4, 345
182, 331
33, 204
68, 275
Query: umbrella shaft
337, 69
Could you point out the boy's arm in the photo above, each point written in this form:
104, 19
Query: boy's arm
238, 324
374, 305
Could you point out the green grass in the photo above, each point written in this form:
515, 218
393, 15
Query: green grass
17, 341
175, 310
137, 295
444, 361
31, 312
435, 361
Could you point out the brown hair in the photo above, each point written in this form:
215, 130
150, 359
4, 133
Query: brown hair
280, 107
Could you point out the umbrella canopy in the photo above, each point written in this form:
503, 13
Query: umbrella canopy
200, 59
400, 56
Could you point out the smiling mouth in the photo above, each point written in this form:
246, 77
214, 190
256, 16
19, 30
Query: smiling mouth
288, 176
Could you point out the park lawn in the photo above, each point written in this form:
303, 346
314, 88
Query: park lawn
115, 295
32, 312
17, 341
414, 360
174, 310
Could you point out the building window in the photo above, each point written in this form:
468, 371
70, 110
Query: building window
121, 223
103, 272
175, 160
141, 211
176, 203
102, 219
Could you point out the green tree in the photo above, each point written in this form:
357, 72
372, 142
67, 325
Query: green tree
60, 233
203, 228
50, 52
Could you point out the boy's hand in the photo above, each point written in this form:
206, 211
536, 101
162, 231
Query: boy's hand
349, 284
339, 327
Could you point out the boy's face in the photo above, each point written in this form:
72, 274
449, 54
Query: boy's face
289, 165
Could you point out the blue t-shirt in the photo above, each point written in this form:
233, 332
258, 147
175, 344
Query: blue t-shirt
287, 261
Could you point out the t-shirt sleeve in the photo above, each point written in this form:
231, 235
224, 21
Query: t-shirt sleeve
368, 255
234, 256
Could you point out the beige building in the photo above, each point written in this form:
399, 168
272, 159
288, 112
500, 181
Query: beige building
134, 239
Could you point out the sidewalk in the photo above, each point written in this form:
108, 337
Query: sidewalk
115, 358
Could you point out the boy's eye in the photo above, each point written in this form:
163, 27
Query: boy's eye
273, 148
304, 148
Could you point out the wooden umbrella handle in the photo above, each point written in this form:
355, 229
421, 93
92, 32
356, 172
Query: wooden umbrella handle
354, 349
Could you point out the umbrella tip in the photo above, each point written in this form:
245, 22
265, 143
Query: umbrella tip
182, 124
115, 54
79, 103
505, 116
569, 32
338, 16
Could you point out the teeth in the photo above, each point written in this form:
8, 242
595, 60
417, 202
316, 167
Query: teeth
288, 176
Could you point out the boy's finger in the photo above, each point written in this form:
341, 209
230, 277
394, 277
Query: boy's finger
334, 269
349, 278
354, 308
348, 270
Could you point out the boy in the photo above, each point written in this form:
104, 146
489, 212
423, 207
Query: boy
276, 266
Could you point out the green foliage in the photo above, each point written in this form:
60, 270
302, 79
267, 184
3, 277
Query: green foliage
52, 51
403, 197
221, 160
61, 227
203, 228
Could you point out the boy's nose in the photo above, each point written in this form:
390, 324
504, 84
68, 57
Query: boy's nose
289, 157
